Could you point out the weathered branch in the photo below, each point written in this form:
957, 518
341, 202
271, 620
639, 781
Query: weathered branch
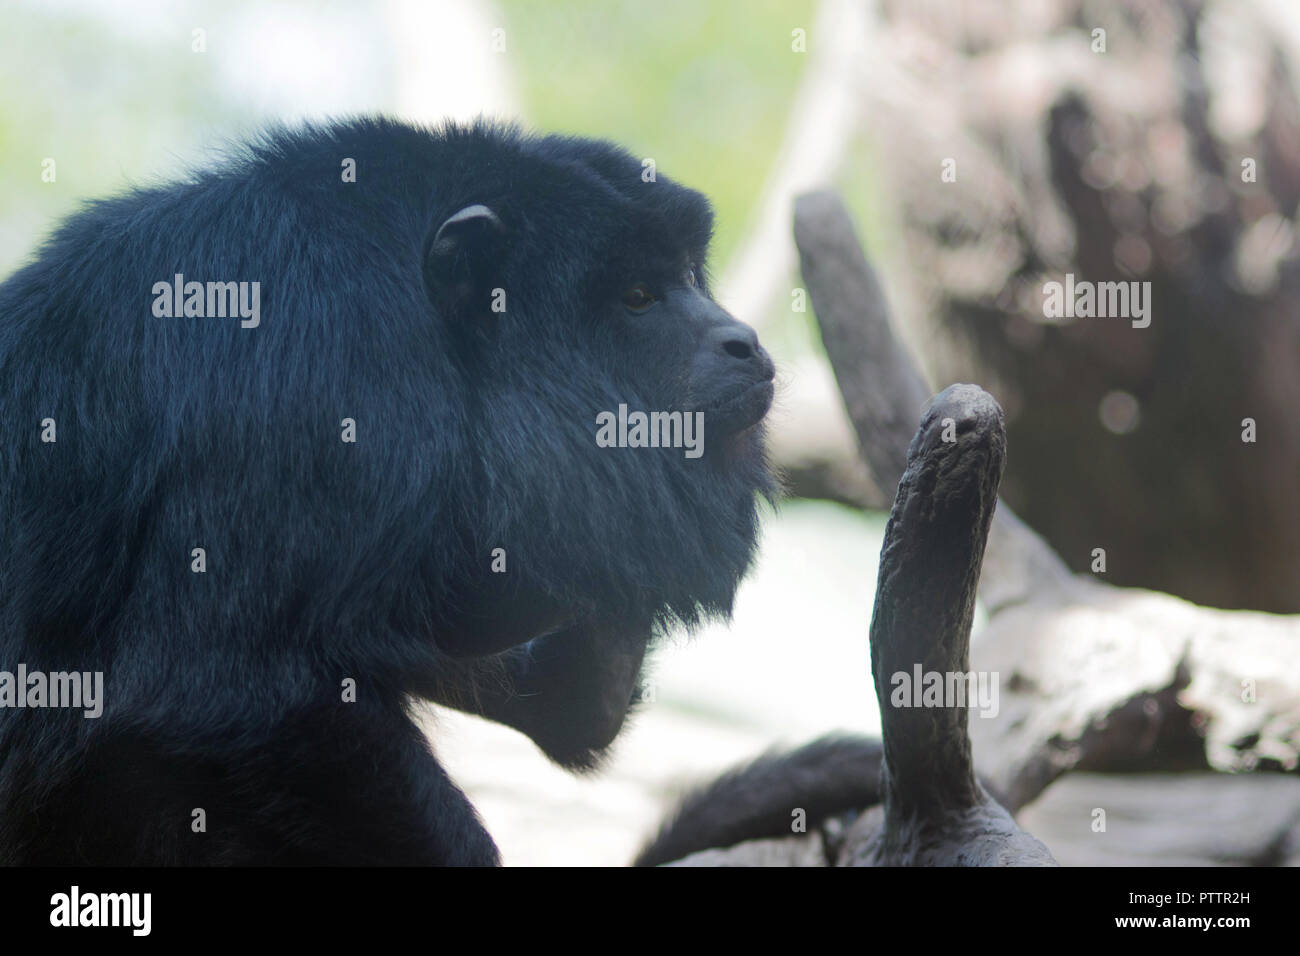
883, 391
934, 811
1093, 677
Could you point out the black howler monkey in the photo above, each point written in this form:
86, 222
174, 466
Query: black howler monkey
327, 428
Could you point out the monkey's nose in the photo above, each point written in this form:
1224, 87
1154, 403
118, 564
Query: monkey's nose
740, 342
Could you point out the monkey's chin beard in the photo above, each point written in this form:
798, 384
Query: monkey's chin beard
743, 455
582, 761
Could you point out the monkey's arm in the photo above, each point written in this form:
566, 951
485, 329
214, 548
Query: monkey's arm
756, 801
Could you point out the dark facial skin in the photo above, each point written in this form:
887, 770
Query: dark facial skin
728, 373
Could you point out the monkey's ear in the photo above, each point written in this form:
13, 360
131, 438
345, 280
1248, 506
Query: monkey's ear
462, 260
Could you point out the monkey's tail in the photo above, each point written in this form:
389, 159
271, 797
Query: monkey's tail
828, 776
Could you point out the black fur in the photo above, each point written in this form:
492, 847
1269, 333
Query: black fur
371, 561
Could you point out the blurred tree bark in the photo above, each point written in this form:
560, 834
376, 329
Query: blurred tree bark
1117, 141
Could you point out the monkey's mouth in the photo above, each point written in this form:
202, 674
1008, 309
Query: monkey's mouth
740, 409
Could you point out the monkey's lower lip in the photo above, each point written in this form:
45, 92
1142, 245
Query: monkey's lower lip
742, 409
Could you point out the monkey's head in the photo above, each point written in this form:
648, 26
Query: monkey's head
615, 408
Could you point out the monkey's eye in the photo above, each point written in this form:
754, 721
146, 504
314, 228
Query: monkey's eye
690, 278
638, 298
